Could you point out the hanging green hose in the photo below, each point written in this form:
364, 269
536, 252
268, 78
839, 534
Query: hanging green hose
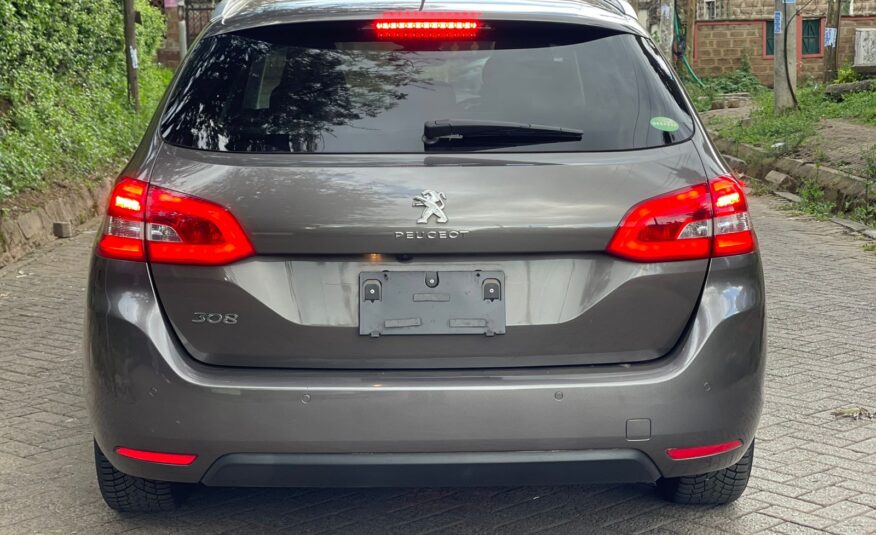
683, 56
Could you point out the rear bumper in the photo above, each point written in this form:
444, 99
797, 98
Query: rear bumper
346, 428
430, 469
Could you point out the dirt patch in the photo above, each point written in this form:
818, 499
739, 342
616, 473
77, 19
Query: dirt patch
842, 144
727, 115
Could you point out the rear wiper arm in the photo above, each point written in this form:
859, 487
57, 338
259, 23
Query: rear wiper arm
498, 131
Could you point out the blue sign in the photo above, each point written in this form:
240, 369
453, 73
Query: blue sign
790, 1
777, 22
829, 37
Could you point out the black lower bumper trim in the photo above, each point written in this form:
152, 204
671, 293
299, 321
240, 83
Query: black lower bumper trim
431, 469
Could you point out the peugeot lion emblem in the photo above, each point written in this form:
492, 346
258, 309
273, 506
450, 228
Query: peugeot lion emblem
433, 203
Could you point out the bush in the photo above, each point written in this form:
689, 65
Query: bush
742, 80
64, 113
847, 74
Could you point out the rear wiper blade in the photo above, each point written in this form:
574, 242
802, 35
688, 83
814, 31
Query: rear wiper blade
501, 132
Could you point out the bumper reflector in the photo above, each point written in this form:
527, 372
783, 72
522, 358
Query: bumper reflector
681, 454
178, 459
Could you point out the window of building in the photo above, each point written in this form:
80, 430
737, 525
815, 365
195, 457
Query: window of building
811, 37
848, 7
770, 39
713, 9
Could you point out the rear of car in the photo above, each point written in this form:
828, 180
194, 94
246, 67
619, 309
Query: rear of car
434, 247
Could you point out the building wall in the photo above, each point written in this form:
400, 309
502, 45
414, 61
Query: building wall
168, 55
719, 47
763, 9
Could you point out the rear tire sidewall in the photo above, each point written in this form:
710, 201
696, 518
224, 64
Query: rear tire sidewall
130, 494
713, 488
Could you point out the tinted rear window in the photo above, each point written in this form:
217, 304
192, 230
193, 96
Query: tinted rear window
333, 88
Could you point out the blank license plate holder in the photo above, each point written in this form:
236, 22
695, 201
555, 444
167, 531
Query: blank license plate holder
393, 303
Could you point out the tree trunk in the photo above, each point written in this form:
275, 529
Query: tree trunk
131, 53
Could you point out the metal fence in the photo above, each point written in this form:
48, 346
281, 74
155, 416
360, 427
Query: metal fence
197, 17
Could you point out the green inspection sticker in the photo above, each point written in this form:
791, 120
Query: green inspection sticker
664, 124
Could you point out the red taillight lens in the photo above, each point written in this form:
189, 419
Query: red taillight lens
687, 224
169, 227
123, 236
178, 459
181, 229
418, 25
733, 232
676, 226
681, 454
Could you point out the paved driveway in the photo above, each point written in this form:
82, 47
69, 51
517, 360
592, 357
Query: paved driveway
812, 473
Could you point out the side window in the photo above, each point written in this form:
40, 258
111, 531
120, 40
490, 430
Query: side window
811, 37
769, 42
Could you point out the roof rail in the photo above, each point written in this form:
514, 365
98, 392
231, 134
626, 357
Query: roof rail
617, 6
227, 8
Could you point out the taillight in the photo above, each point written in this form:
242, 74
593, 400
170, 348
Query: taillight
163, 226
123, 236
687, 224
418, 25
733, 232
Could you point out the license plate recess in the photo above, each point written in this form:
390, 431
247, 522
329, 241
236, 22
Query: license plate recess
431, 302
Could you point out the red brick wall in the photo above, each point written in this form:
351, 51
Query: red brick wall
720, 46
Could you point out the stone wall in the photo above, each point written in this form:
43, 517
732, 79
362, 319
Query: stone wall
76, 204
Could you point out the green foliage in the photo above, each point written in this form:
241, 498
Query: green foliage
858, 106
847, 74
814, 202
741, 80
779, 132
63, 99
766, 128
702, 97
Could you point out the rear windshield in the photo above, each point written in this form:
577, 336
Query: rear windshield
315, 88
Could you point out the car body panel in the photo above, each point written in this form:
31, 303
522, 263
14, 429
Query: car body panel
502, 203
145, 391
565, 306
303, 313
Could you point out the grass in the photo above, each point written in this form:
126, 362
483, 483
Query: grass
814, 202
783, 132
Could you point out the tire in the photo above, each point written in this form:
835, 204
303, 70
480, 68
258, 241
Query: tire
129, 494
714, 488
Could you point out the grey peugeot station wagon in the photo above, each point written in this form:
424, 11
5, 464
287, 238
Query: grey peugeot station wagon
425, 243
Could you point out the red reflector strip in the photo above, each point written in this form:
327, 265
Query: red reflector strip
681, 454
121, 248
179, 459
